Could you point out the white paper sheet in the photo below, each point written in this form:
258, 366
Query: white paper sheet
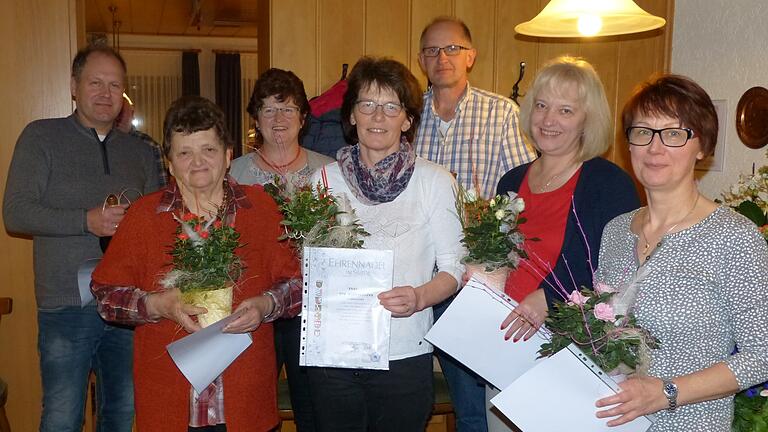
469, 331
84, 272
343, 322
205, 354
561, 384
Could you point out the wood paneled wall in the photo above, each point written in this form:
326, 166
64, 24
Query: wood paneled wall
38, 39
315, 37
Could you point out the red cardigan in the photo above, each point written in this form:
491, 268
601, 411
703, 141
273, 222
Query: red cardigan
138, 256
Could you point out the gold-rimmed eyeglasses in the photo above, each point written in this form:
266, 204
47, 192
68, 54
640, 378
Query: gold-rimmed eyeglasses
288, 112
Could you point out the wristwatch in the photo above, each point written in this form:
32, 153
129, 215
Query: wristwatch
670, 391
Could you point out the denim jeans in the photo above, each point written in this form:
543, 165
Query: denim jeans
73, 341
360, 400
467, 389
287, 342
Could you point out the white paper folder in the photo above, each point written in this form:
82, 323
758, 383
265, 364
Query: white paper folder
568, 385
470, 331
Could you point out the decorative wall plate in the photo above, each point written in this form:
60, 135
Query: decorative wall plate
752, 117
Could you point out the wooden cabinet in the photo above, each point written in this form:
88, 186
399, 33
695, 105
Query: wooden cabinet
38, 39
315, 37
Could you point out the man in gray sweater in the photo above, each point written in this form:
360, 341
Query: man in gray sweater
62, 171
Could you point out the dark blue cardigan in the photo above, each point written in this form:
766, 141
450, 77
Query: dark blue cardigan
602, 192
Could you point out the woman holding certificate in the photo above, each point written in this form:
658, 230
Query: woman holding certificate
407, 205
128, 283
704, 284
567, 118
570, 193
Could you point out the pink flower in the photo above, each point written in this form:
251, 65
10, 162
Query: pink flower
604, 312
217, 223
603, 288
183, 236
577, 298
204, 234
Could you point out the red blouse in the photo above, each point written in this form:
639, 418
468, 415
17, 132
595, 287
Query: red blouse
546, 214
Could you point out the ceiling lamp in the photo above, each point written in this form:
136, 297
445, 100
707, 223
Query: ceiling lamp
585, 18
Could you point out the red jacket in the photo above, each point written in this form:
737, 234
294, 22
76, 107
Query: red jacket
138, 256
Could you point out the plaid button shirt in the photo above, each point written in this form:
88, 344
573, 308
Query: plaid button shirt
482, 143
157, 151
127, 305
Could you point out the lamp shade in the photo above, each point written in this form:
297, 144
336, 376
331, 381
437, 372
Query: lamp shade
585, 18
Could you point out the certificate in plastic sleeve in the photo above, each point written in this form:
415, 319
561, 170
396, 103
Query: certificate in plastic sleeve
343, 323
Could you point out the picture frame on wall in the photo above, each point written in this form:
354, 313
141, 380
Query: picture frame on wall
717, 160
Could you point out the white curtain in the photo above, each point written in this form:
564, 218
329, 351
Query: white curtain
248, 74
154, 82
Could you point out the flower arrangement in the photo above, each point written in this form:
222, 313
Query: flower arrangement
203, 254
749, 196
205, 265
751, 410
588, 319
491, 229
599, 320
312, 216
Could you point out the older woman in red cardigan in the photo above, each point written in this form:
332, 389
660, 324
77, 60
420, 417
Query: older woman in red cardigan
127, 283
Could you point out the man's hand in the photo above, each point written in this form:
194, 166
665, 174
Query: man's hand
103, 222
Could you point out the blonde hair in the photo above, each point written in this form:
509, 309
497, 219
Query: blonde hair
556, 74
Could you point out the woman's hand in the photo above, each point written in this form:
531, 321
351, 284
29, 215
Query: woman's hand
168, 304
252, 313
638, 396
527, 317
402, 301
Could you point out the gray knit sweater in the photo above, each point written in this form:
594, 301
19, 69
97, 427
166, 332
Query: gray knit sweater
59, 170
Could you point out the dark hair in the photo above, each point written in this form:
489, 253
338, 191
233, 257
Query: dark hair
190, 114
446, 19
283, 85
78, 64
677, 97
383, 73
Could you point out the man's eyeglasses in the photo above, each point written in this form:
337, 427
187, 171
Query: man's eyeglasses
390, 109
670, 137
288, 112
450, 50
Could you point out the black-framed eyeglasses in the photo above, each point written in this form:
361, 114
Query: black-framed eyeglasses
390, 109
670, 137
288, 112
449, 50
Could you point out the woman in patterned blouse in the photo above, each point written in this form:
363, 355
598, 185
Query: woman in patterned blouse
704, 288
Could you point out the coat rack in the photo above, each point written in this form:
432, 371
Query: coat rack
516, 87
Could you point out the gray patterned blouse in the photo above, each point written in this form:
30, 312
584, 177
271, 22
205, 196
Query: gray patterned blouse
706, 290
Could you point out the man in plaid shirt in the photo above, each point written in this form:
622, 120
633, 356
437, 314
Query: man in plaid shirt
474, 133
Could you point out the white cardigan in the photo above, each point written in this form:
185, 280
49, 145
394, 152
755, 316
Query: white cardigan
423, 230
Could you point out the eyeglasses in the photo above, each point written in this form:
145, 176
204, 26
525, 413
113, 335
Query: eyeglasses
670, 137
390, 109
288, 112
449, 50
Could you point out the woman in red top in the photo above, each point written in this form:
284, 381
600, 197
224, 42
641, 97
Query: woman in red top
566, 116
126, 283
